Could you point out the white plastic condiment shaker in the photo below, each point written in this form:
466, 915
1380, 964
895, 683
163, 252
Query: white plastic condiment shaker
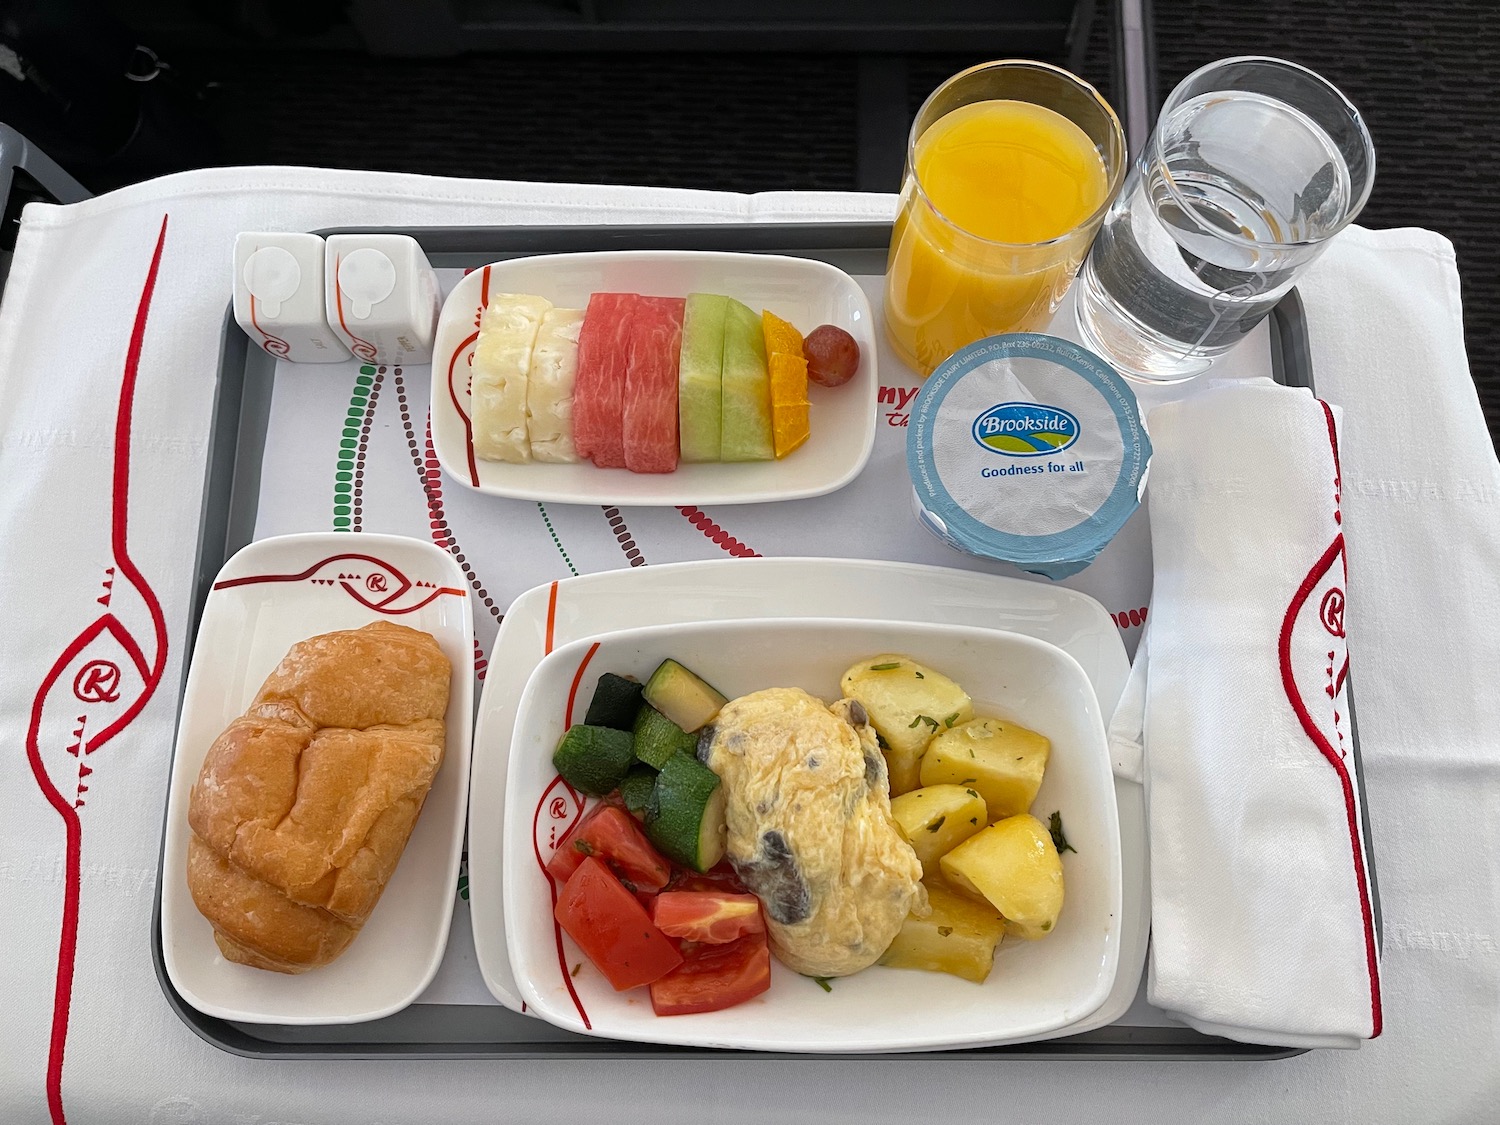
278, 296
382, 297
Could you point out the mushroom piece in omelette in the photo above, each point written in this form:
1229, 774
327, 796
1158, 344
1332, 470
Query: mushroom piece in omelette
810, 828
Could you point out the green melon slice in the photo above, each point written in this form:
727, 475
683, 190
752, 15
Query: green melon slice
745, 426
698, 377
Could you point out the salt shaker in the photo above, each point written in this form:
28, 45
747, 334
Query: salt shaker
382, 297
278, 296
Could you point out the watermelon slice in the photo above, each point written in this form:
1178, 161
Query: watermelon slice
650, 425
699, 376
599, 386
745, 426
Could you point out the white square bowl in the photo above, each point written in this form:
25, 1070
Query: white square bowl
1036, 988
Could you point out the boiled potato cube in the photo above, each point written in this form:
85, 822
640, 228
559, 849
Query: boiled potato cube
1001, 760
1013, 866
907, 704
958, 937
936, 819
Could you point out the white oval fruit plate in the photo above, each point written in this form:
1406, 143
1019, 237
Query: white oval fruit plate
805, 292
270, 595
1035, 988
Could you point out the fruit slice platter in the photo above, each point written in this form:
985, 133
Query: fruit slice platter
655, 378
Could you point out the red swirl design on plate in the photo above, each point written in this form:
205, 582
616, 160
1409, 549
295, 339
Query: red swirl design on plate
559, 809
465, 349
559, 802
108, 672
357, 580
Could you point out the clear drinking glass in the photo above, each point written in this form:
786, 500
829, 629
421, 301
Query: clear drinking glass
1254, 164
1010, 167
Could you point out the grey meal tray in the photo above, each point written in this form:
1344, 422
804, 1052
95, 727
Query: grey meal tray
450, 1031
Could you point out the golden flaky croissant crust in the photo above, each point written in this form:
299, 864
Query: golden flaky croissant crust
304, 804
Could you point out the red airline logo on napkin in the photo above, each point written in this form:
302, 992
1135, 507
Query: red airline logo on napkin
1314, 667
96, 687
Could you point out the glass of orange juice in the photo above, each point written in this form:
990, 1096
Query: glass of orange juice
1010, 168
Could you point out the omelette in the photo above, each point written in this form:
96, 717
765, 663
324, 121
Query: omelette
808, 807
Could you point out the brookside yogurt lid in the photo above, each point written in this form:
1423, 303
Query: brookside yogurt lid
1027, 448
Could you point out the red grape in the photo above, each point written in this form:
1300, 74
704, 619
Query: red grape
832, 356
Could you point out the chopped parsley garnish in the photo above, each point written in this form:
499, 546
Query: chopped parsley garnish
822, 982
973, 820
971, 792
920, 676
936, 824
1059, 841
951, 719
576, 969
885, 667
928, 719
944, 931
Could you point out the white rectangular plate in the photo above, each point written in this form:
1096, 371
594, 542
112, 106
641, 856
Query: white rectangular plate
552, 615
269, 596
800, 290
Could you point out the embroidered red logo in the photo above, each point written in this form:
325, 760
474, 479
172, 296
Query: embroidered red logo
113, 667
1331, 611
1314, 672
98, 681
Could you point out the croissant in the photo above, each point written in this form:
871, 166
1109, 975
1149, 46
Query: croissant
305, 803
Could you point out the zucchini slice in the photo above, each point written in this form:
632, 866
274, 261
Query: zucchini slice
657, 737
615, 702
592, 759
685, 818
683, 696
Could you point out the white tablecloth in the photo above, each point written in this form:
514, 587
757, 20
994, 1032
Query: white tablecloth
86, 528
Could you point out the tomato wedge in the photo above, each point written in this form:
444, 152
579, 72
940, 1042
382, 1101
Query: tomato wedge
612, 928
610, 833
714, 917
712, 977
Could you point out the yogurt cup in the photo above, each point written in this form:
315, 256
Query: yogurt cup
1029, 449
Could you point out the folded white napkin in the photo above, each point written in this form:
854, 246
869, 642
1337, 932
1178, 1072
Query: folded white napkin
1262, 914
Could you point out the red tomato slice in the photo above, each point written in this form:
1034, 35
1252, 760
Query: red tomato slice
612, 928
713, 977
707, 916
610, 833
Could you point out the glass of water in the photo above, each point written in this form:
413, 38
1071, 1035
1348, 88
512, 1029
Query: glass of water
1254, 164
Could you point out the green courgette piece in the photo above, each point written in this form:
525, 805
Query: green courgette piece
682, 696
636, 787
657, 737
615, 702
685, 818
592, 759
